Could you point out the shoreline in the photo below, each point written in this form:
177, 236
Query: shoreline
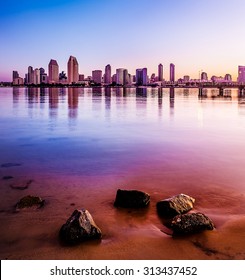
126, 233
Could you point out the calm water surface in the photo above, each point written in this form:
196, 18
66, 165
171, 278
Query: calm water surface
115, 131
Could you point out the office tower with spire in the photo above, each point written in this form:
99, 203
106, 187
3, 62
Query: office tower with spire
53, 71
72, 70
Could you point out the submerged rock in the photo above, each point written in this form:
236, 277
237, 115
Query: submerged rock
7, 177
191, 223
175, 205
79, 227
21, 186
10, 164
131, 199
30, 201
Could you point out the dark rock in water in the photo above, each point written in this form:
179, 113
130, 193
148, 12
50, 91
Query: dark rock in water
79, 227
10, 164
21, 186
30, 201
7, 177
131, 199
191, 223
178, 204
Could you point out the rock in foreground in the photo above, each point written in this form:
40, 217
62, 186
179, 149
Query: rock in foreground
178, 204
191, 223
79, 227
30, 201
131, 199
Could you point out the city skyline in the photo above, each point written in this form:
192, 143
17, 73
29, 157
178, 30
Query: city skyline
196, 36
121, 76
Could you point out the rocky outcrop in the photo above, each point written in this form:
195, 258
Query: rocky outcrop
29, 201
191, 223
131, 199
178, 204
79, 227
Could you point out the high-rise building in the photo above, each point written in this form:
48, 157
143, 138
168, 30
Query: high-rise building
72, 70
18, 81
119, 76
141, 77
172, 73
43, 76
30, 75
15, 75
125, 77
114, 78
53, 72
160, 72
36, 76
107, 74
81, 77
97, 76
241, 74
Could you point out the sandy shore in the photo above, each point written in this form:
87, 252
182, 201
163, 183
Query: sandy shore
127, 234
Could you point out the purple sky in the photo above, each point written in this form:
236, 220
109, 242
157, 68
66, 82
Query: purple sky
194, 35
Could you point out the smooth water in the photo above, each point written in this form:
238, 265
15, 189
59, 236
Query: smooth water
76, 146
96, 131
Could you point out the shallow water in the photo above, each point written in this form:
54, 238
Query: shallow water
79, 145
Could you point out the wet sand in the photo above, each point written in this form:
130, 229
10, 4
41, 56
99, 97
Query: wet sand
127, 234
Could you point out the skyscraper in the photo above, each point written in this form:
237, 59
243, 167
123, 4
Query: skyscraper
125, 77
97, 76
43, 76
37, 76
107, 74
141, 77
160, 72
53, 71
172, 73
15, 75
72, 70
119, 76
30, 75
241, 74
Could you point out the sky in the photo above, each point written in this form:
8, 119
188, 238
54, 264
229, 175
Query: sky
203, 35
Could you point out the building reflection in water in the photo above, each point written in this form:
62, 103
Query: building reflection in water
73, 102
32, 95
53, 94
160, 94
141, 97
186, 91
96, 98
107, 102
16, 96
43, 94
171, 99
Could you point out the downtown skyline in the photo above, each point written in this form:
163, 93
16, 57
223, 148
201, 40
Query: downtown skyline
121, 76
196, 36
